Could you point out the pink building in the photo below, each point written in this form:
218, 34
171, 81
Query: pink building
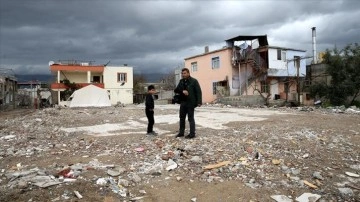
247, 65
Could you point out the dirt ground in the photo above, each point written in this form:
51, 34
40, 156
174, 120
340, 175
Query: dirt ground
287, 153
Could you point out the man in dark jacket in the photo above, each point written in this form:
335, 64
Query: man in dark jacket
191, 97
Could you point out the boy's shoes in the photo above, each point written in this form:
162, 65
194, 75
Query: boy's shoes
190, 136
180, 135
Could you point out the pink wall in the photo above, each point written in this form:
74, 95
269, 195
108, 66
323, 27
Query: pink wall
206, 75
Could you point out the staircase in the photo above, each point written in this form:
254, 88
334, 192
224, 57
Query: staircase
259, 68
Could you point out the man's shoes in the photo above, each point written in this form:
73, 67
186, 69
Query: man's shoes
190, 136
179, 135
152, 133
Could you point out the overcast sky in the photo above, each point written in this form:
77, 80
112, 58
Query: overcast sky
156, 36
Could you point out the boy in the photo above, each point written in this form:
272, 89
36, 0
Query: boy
149, 109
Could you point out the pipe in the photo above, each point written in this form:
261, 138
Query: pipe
314, 44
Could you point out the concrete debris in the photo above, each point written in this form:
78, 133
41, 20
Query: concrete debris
284, 153
352, 174
308, 197
171, 165
78, 194
281, 198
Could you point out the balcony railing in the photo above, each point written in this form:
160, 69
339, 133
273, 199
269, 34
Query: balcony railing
80, 85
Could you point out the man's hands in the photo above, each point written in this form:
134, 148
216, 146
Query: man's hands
186, 93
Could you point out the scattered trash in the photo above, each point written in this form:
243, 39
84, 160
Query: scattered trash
101, 181
171, 165
139, 149
78, 194
275, 161
209, 167
310, 184
352, 174
285, 155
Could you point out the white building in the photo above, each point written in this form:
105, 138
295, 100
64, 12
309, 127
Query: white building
72, 75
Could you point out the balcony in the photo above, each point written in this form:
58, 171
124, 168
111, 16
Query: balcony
59, 86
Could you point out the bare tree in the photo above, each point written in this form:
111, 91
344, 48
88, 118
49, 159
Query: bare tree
168, 80
138, 81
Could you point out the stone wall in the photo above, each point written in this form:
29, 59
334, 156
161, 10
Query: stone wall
244, 100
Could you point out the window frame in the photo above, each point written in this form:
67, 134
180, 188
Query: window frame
119, 77
278, 54
215, 62
214, 85
283, 55
97, 80
264, 87
194, 67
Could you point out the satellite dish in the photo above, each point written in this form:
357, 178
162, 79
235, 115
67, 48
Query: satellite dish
51, 63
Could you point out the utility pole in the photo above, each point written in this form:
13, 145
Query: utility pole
297, 60
297, 63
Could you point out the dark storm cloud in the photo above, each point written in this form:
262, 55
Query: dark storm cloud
155, 36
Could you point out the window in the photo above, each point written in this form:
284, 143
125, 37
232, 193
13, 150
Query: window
215, 63
281, 55
297, 61
264, 87
214, 84
96, 79
194, 67
121, 77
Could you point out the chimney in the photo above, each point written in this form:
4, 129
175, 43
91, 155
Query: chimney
206, 49
314, 44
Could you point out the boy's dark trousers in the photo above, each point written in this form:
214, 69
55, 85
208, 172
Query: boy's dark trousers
151, 121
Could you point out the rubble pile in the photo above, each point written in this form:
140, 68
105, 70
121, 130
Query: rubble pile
301, 156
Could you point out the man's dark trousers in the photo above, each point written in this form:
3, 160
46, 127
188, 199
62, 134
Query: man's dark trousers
189, 111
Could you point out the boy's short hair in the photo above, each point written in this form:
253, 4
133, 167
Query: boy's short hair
151, 87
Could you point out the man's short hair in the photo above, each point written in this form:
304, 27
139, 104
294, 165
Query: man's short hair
151, 87
185, 69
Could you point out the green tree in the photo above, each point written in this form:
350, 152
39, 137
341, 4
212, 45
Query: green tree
344, 68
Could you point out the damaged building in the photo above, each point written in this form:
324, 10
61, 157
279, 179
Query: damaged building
249, 67
8, 89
